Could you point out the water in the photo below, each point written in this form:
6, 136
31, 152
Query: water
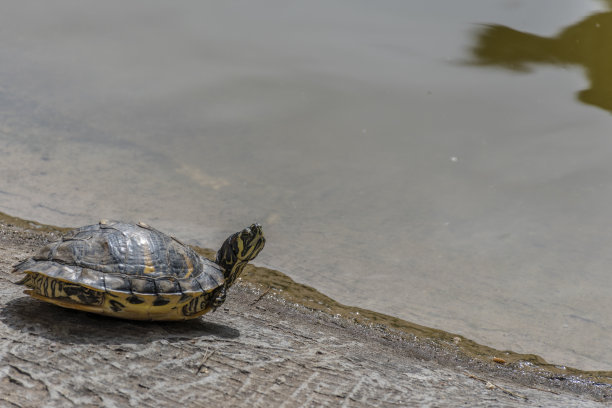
397, 160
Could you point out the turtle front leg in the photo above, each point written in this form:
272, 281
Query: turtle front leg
220, 298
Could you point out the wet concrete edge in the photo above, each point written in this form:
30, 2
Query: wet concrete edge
445, 348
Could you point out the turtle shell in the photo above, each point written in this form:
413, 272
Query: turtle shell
133, 263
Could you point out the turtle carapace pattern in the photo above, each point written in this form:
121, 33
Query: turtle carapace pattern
133, 271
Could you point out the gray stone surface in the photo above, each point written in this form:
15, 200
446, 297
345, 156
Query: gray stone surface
253, 352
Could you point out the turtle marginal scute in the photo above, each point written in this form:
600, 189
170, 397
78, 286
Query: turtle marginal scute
117, 283
143, 285
167, 286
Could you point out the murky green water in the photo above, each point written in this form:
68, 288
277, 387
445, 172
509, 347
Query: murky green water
407, 157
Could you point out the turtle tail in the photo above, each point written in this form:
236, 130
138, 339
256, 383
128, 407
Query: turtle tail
26, 281
22, 267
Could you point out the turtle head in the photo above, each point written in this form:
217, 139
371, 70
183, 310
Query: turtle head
239, 249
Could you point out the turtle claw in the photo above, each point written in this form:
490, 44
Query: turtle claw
220, 298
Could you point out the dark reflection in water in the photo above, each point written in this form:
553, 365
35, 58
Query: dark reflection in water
587, 43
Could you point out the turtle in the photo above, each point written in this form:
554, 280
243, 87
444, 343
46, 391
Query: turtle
134, 271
